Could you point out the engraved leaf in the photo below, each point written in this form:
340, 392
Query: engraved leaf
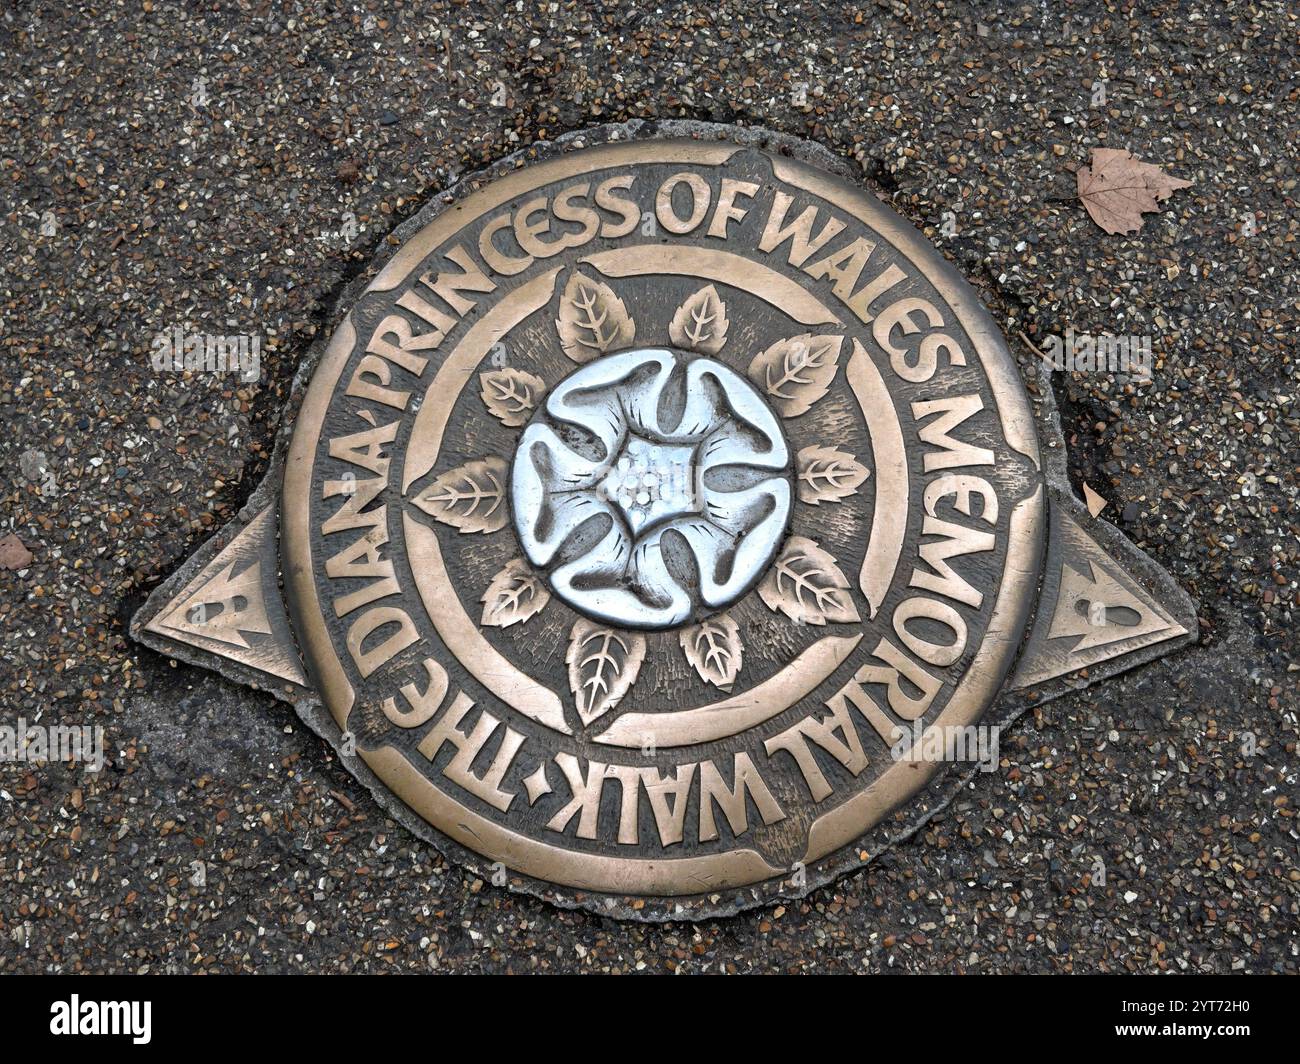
700, 323
795, 373
1118, 188
603, 664
826, 475
513, 595
713, 649
807, 586
511, 395
471, 497
593, 320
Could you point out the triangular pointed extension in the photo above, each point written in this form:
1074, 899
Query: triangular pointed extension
1091, 609
232, 606
1100, 610
223, 608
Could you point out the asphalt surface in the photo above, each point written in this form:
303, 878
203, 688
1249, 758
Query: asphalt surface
165, 164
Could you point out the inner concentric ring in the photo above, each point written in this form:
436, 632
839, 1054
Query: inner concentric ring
652, 488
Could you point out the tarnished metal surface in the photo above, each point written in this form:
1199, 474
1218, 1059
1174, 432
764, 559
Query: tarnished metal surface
646, 500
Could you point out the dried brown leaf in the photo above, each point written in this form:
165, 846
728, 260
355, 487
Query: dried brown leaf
1118, 188
1095, 502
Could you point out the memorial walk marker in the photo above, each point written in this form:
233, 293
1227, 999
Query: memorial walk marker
641, 501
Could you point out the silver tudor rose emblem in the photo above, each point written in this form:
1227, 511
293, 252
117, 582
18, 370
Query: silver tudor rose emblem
652, 488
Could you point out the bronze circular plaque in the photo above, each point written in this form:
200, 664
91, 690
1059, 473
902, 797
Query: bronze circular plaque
643, 501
